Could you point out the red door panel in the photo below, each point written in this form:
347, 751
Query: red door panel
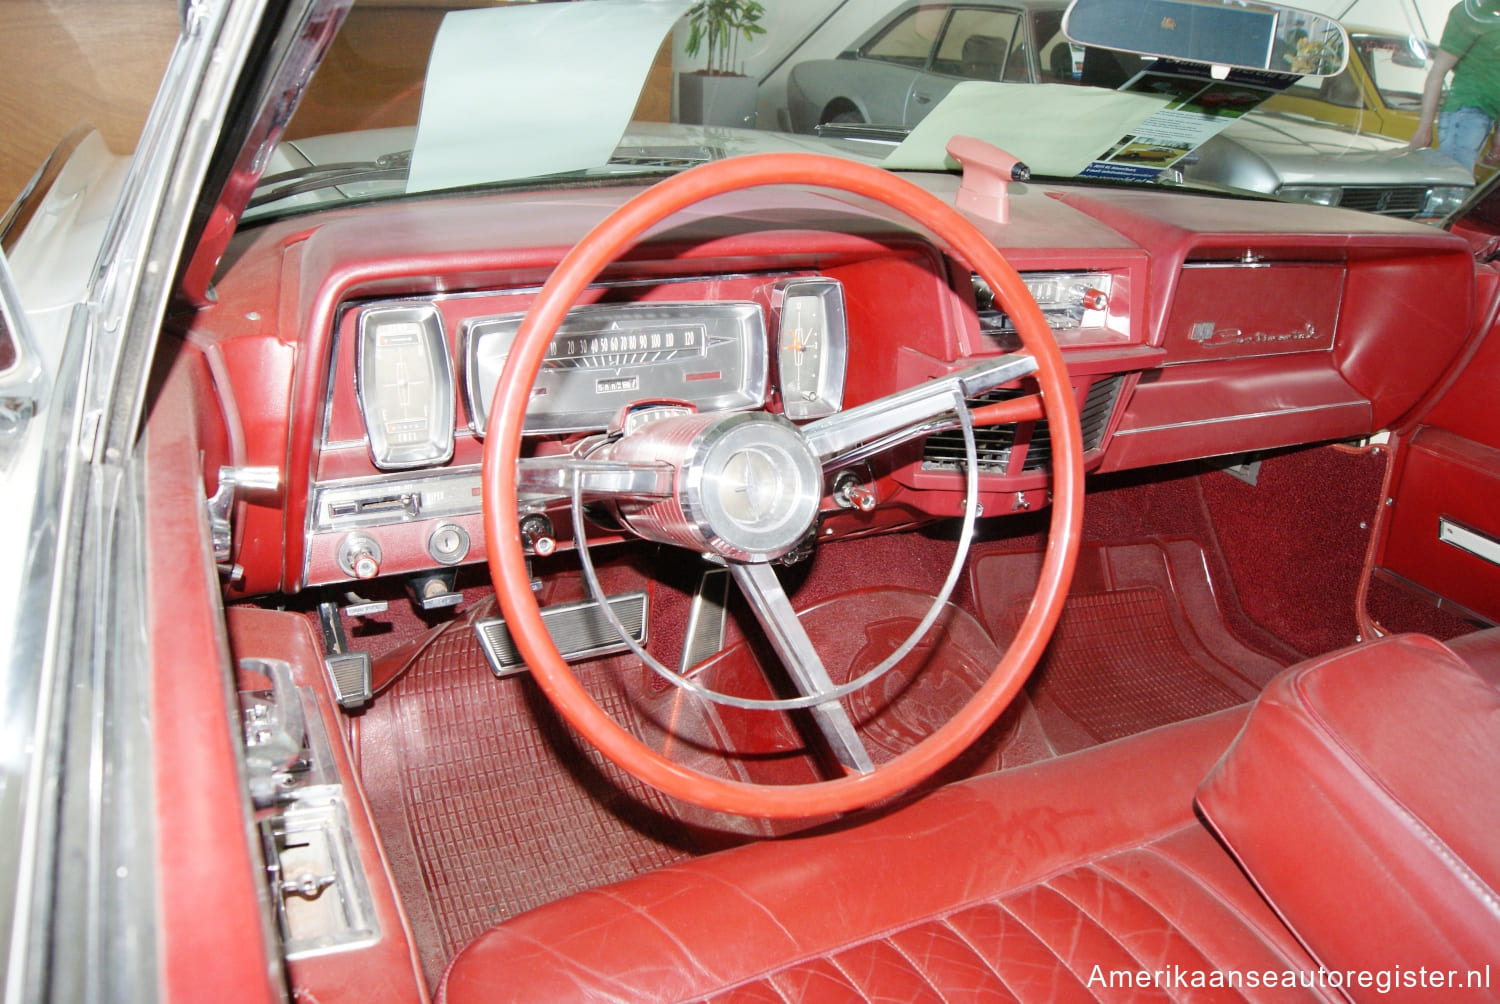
1447, 505
1446, 497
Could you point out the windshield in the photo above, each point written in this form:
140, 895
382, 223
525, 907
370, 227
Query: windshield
421, 98
1397, 67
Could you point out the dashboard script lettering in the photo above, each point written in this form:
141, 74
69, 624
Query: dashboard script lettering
1207, 335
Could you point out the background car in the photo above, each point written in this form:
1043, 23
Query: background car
1380, 91
896, 72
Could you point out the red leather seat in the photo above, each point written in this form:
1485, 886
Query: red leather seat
1065, 880
1363, 798
1481, 650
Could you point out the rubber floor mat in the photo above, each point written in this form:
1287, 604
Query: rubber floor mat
489, 805
1141, 642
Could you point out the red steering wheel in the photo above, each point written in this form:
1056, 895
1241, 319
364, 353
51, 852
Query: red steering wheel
502, 450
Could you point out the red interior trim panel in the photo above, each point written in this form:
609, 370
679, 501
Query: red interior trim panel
1208, 334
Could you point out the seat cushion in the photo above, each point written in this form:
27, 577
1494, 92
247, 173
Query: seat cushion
1363, 797
1014, 885
1481, 650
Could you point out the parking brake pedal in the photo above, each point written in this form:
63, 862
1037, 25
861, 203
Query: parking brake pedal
580, 631
349, 672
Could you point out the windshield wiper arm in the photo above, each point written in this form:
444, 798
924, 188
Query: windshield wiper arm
311, 178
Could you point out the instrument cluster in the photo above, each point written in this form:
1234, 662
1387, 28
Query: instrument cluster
397, 483
416, 361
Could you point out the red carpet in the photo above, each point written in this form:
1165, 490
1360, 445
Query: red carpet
1140, 644
490, 806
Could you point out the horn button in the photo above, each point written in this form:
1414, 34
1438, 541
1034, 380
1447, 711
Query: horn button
748, 486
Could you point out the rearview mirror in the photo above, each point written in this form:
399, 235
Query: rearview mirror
1242, 34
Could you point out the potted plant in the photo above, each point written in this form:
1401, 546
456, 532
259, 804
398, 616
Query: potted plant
718, 94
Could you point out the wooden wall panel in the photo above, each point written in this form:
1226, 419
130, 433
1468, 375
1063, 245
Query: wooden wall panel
66, 62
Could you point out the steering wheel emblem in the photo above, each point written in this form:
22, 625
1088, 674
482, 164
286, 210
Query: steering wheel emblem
752, 486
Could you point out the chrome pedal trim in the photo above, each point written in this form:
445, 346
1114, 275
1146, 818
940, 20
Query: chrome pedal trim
579, 630
349, 673
706, 618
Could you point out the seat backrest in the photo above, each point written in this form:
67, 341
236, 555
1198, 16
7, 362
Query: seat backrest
984, 57
1363, 799
1060, 63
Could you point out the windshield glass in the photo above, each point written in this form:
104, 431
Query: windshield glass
415, 98
1397, 67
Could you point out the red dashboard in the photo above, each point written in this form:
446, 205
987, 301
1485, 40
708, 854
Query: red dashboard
1191, 328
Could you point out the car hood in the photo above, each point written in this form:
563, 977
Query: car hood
1291, 150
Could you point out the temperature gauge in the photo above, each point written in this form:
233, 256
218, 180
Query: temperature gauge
811, 346
404, 379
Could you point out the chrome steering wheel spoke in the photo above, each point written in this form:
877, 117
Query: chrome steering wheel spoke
555, 477
885, 422
788, 637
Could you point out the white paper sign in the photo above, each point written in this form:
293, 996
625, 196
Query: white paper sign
534, 89
1055, 129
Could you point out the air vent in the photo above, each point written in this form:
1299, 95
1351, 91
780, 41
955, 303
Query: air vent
665, 156
945, 450
1097, 407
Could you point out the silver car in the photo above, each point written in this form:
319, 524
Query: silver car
898, 71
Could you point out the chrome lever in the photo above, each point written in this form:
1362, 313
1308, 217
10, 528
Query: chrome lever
902, 415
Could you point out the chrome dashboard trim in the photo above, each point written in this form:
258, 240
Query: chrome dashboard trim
412, 497
441, 404
1222, 419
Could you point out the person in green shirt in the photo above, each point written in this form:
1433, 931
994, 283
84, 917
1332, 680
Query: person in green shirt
1470, 47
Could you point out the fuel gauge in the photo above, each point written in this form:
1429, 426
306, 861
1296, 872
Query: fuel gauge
811, 346
404, 379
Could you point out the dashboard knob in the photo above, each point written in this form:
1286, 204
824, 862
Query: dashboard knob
359, 556
849, 493
537, 534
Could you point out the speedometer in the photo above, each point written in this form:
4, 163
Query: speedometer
607, 356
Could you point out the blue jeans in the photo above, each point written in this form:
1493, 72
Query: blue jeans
1462, 132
